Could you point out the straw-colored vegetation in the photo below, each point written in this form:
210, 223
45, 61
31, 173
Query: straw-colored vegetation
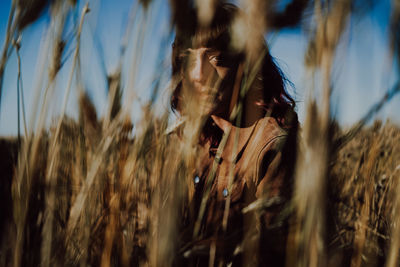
104, 192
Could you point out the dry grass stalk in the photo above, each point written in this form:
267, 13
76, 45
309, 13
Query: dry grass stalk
361, 225
249, 27
205, 11
306, 247
393, 255
11, 27
20, 91
25, 171
54, 154
312, 168
107, 198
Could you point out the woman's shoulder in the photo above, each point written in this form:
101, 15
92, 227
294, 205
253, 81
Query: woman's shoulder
275, 157
268, 130
271, 140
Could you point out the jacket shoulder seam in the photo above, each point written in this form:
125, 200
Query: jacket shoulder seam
263, 148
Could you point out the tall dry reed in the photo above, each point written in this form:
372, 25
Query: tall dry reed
104, 192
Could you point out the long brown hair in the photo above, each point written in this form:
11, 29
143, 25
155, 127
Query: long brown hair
275, 101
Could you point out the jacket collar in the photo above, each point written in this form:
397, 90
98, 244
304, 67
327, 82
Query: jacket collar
237, 138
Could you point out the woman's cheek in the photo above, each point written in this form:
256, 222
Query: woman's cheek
222, 72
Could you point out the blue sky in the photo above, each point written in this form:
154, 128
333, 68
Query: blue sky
362, 72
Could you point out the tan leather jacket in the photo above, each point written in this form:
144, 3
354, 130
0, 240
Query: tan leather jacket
249, 181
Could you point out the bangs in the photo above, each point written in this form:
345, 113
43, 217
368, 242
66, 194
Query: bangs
218, 37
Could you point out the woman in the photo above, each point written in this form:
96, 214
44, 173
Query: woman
243, 180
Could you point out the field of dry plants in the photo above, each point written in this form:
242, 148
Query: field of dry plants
103, 191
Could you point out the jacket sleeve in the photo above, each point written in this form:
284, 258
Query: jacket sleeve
275, 168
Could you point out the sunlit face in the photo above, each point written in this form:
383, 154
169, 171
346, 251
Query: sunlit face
204, 78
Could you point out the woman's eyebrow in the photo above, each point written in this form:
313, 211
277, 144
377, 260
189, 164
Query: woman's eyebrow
205, 49
212, 50
185, 53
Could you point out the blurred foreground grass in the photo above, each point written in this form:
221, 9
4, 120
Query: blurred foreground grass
119, 207
94, 192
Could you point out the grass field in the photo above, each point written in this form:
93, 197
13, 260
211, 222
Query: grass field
102, 191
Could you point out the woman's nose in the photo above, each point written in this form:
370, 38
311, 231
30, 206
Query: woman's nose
200, 70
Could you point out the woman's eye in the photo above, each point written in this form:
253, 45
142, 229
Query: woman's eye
184, 55
187, 58
214, 59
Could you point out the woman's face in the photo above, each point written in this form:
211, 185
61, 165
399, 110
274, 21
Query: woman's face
204, 81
